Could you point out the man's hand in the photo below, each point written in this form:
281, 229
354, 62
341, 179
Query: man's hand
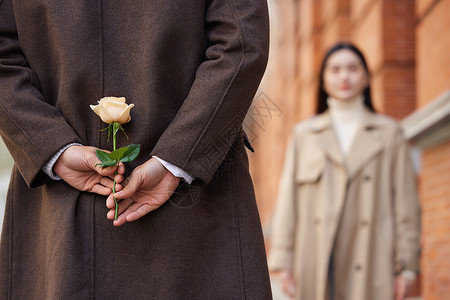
149, 186
77, 167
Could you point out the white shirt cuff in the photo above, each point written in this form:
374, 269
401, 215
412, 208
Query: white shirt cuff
177, 172
48, 168
408, 274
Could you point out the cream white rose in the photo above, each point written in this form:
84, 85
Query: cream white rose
113, 109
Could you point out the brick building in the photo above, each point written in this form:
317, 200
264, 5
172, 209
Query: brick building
407, 45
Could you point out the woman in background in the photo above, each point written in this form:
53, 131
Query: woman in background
346, 226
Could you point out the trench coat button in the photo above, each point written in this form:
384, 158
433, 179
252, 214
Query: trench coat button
317, 221
358, 267
367, 177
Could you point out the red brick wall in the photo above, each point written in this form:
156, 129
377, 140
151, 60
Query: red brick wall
435, 201
384, 30
433, 79
280, 86
433, 49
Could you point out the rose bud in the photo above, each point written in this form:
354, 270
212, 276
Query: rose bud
113, 109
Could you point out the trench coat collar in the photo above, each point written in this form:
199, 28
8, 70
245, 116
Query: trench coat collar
367, 143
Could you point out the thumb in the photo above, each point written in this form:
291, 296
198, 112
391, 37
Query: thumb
93, 161
132, 184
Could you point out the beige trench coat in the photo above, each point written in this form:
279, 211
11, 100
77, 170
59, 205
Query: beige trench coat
377, 179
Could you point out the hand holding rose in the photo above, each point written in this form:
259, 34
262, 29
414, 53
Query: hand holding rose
78, 167
149, 186
115, 112
93, 170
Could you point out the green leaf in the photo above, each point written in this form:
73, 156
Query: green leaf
107, 163
131, 153
109, 128
118, 154
109, 131
121, 128
102, 155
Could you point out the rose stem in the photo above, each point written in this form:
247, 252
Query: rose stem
115, 173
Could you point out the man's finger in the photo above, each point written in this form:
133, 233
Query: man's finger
121, 169
106, 171
110, 203
133, 183
123, 205
139, 212
118, 178
101, 190
134, 212
122, 218
108, 182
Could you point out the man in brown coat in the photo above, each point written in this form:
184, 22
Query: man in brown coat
191, 68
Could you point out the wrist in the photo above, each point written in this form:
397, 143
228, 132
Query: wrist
176, 171
408, 274
55, 162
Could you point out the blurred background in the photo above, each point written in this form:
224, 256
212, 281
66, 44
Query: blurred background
407, 45
6, 163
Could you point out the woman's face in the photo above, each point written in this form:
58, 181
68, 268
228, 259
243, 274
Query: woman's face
344, 75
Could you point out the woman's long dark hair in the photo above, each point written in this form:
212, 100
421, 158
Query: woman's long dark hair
322, 95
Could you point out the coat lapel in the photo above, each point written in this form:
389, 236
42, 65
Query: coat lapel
326, 138
368, 142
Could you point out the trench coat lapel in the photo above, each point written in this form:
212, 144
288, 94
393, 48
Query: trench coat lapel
366, 144
326, 138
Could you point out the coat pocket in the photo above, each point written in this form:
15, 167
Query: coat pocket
310, 167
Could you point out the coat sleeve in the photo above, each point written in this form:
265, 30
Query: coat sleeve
32, 129
202, 132
406, 208
284, 220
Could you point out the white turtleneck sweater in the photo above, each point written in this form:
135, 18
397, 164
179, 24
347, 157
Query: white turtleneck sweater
346, 117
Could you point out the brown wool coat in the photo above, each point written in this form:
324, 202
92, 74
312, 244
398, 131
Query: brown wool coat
366, 202
191, 68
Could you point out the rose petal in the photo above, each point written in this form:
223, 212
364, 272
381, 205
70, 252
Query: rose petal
125, 115
105, 116
96, 109
114, 109
115, 99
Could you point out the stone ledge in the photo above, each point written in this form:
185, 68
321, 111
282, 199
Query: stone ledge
430, 125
